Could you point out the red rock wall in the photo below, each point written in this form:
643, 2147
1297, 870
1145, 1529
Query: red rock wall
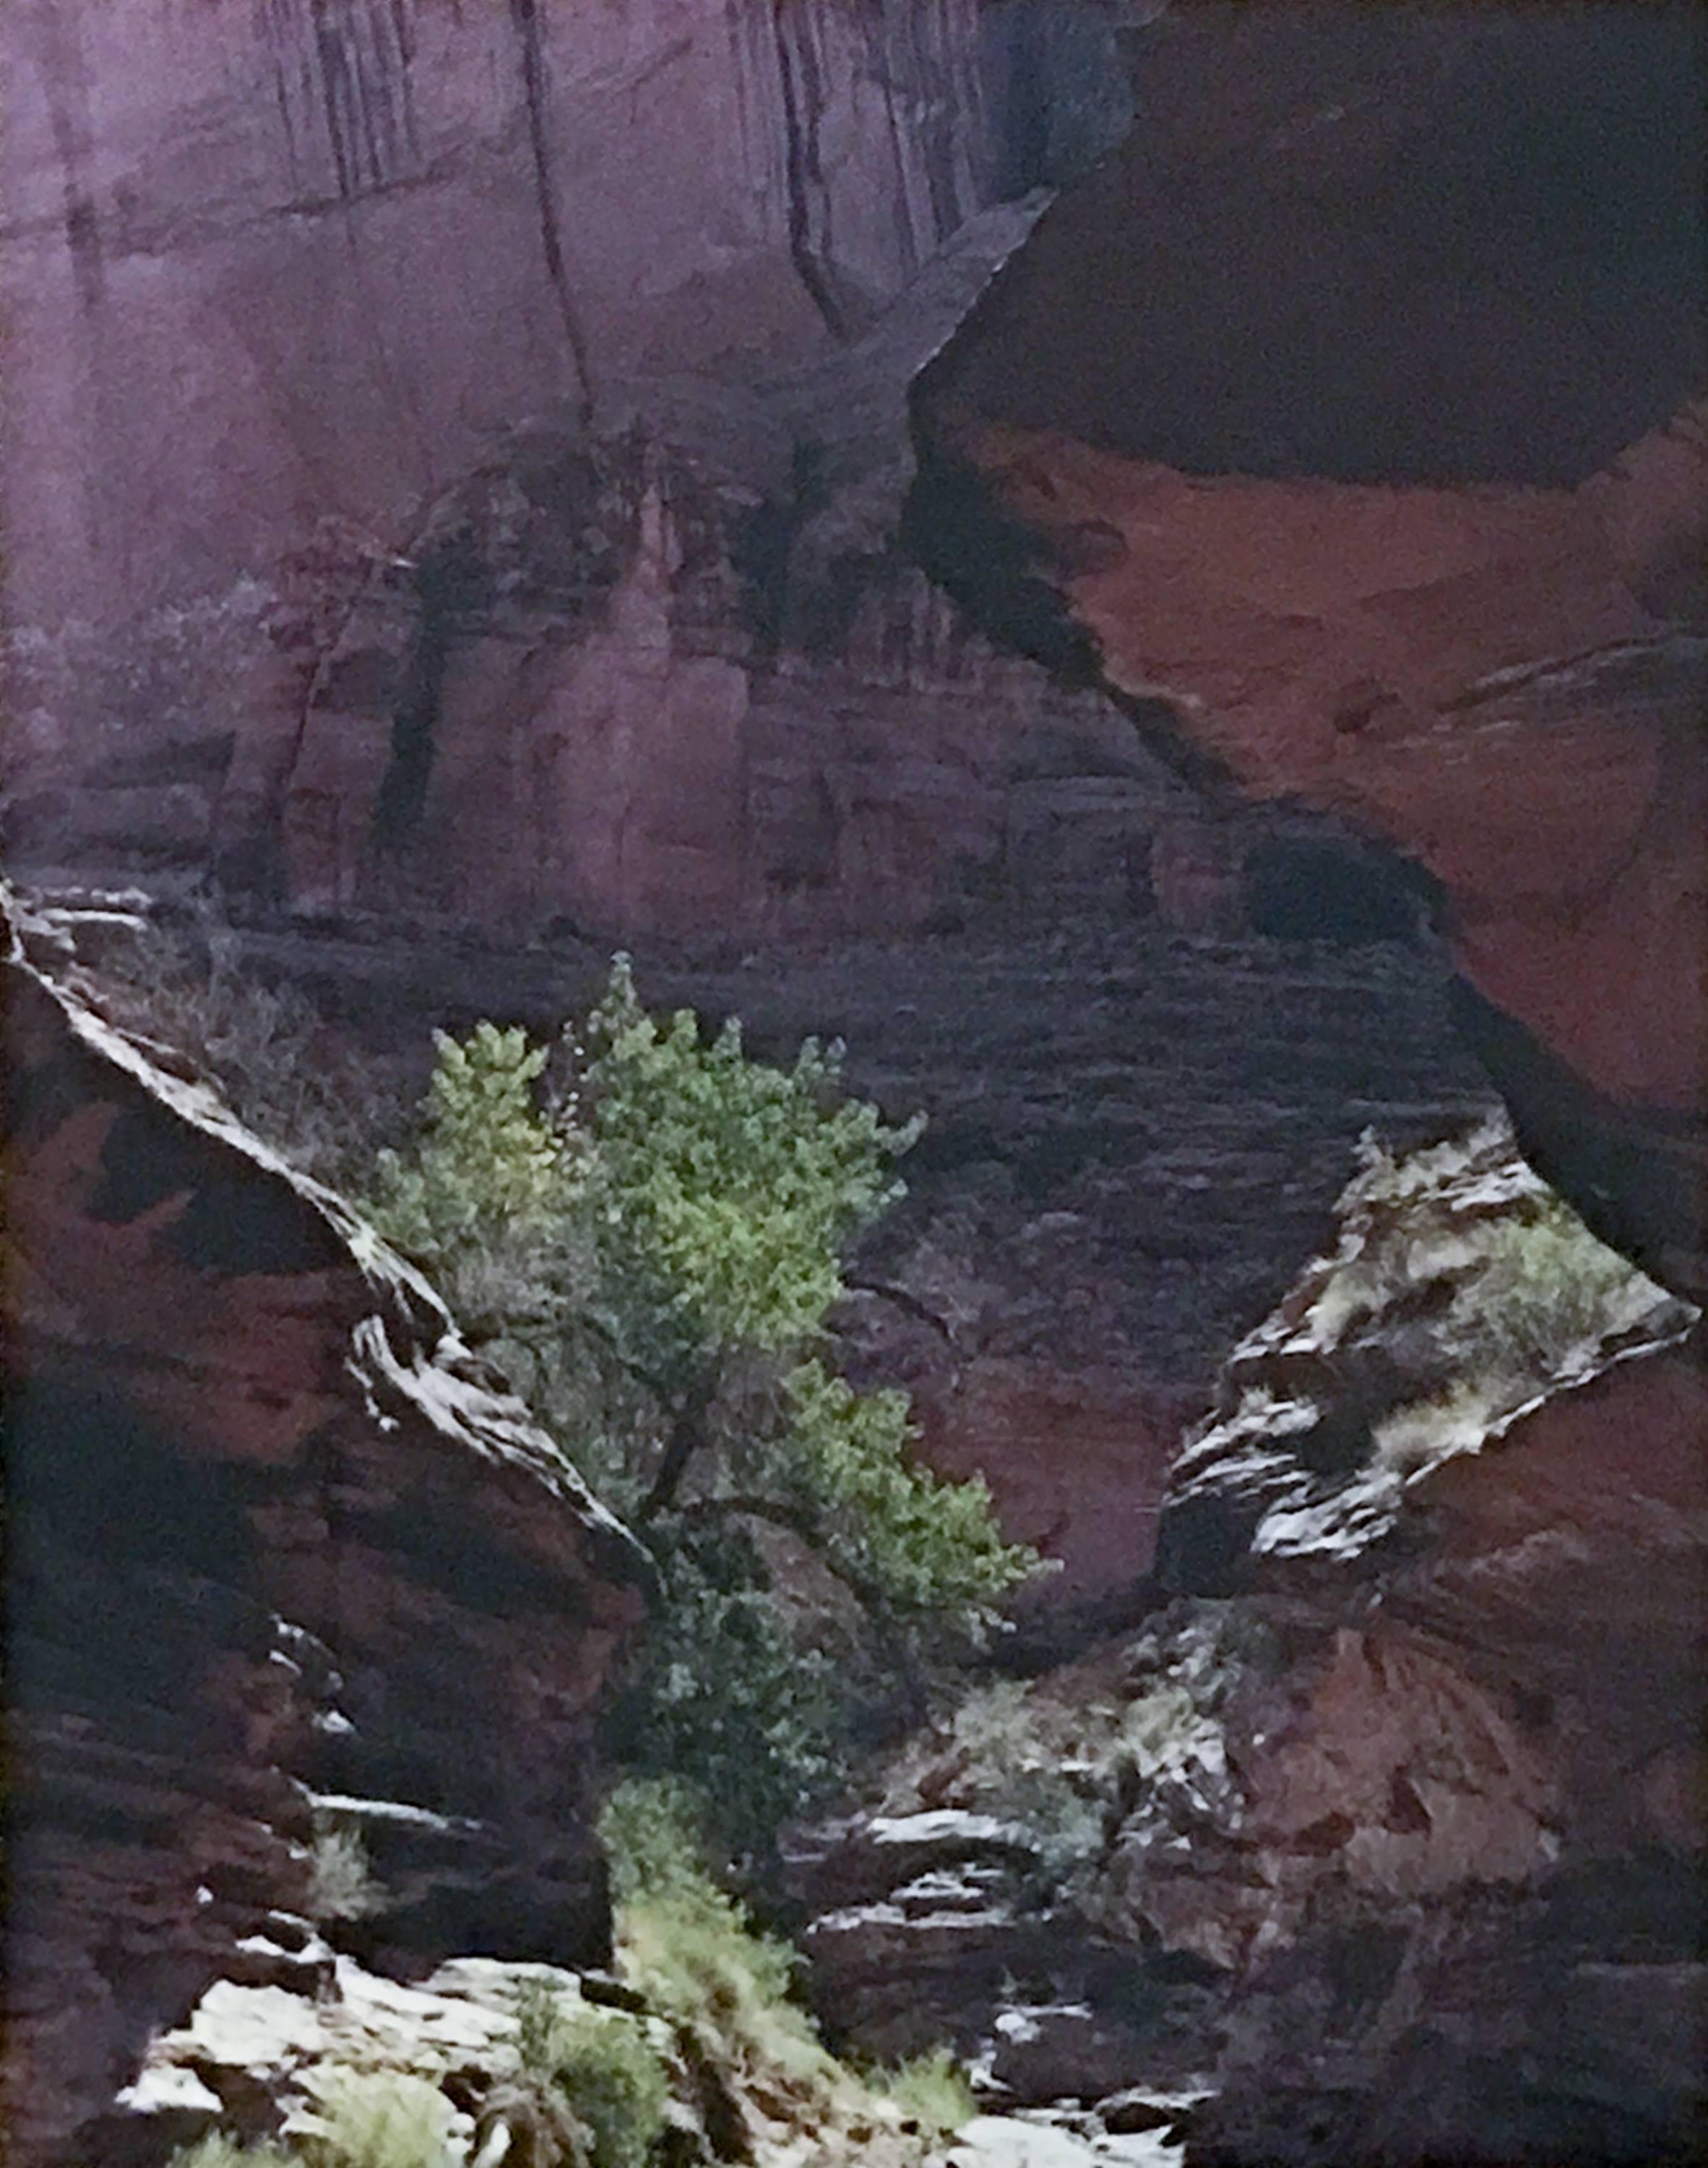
655, 769
269, 1534
279, 270
1386, 1825
1357, 416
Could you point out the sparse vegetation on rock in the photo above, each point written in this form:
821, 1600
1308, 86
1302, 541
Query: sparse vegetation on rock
341, 1879
182, 985
698, 2052
1462, 1291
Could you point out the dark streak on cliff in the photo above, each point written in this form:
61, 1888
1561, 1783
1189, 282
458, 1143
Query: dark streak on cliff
803, 102
525, 15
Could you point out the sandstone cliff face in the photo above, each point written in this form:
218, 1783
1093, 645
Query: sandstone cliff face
1355, 417
276, 274
672, 674
272, 1543
1383, 472
1133, 1135
459, 462
272, 262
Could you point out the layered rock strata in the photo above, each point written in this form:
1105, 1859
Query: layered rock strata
282, 277
277, 1549
265, 264
1132, 1137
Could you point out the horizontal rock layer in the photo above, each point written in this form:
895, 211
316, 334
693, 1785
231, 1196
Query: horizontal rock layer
1132, 1137
268, 263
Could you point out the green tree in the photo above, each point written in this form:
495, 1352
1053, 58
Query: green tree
654, 1248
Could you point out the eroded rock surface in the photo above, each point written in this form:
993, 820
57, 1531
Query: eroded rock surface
1352, 409
283, 279
272, 1536
1132, 1138
1386, 1831
277, 2062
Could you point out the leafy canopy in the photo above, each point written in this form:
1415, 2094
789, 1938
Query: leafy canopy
648, 1226
728, 1189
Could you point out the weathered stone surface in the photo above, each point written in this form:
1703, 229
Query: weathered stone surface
324, 250
267, 2063
998, 2141
256, 2061
1345, 1845
340, 258
1464, 618
1459, 1294
270, 1535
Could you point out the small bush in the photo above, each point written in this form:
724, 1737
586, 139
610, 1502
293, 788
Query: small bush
341, 1881
1550, 1289
615, 2080
727, 1687
539, 2013
602, 2063
265, 1048
689, 1946
933, 2090
382, 2119
218, 2151
651, 1832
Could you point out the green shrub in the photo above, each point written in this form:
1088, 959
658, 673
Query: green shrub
615, 2080
652, 1831
381, 2119
933, 2090
1549, 1287
218, 2151
1462, 1289
603, 2064
539, 2012
728, 1689
689, 1946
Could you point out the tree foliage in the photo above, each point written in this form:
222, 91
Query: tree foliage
648, 1226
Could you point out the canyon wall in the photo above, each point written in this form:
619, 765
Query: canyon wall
1347, 425
276, 1550
1380, 1838
275, 276
1359, 422
272, 262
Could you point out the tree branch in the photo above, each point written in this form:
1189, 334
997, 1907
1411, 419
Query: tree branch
687, 1435
801, 1522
